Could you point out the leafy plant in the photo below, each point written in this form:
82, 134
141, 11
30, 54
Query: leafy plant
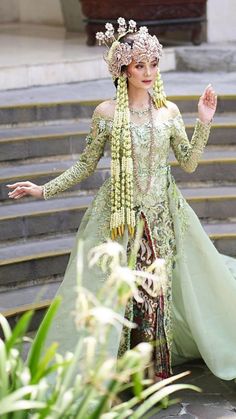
45, 384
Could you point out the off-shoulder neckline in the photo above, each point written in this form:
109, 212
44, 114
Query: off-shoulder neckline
157, 122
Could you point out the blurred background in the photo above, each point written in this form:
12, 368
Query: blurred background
46, 42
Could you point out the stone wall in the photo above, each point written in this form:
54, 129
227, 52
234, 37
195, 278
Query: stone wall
9, 11
65, 13
221, 24
73, 16
47, 12
220, 27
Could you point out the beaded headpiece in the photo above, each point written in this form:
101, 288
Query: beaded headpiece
145, 47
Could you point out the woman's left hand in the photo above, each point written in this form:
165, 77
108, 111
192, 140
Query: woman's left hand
207, 105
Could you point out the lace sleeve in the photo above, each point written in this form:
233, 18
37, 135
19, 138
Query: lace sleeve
87, 163
188, 153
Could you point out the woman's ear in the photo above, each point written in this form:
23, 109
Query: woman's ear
126, 74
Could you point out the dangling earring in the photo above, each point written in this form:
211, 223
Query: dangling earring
158, 92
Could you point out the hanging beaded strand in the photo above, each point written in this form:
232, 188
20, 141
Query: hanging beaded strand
115, 167
159, 95
127, 166
121, 166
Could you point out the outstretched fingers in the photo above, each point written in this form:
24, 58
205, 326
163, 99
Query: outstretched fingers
209, 97
18, 184
19, 192
20, 195
20, 189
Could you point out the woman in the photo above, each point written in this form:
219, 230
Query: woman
187, 319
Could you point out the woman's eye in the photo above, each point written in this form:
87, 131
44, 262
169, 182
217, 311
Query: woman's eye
154, 64
139, 66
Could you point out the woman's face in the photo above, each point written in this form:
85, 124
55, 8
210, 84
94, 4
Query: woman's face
143, 74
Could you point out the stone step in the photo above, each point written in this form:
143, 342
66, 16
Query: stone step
68, 137
26, 296
43, 140
217, 164
39, 261
34, 261
38, 112
25, 220
213, 56
15, 312
212, 202
175, 83
15, 302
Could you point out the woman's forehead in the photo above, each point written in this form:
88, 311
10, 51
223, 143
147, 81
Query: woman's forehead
153, 59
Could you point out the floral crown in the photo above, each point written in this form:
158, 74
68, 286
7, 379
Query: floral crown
145, 46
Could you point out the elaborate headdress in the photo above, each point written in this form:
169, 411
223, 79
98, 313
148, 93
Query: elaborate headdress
145, 47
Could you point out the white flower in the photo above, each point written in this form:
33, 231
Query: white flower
126, 275
121, 21
145, 350
109, 27
106, 371
90, 344
69, 356
67, 397
143, 30
158, 264
132, 24
100, 37
25, 376
106, 316
109, 253
109, 34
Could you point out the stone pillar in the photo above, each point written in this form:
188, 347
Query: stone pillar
9, 11
47, 12
221, 25
73, 16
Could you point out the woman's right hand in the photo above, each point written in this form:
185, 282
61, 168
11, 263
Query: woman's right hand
20, 189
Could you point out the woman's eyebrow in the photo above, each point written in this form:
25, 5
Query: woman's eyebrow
142, 62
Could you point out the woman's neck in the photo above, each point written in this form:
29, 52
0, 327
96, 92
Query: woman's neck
138, 98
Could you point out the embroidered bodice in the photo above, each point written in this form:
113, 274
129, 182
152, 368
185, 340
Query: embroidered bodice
168, 133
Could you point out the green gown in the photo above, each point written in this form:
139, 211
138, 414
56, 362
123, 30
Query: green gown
195, 314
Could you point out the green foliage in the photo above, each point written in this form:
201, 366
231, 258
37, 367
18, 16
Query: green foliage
45, 384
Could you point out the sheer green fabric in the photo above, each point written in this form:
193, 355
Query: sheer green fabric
201, 282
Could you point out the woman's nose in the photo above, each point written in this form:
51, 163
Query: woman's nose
147, 71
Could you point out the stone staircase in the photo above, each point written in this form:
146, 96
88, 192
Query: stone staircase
39, 140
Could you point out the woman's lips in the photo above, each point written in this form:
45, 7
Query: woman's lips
147, 81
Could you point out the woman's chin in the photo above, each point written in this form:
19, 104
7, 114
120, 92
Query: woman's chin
147, 86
